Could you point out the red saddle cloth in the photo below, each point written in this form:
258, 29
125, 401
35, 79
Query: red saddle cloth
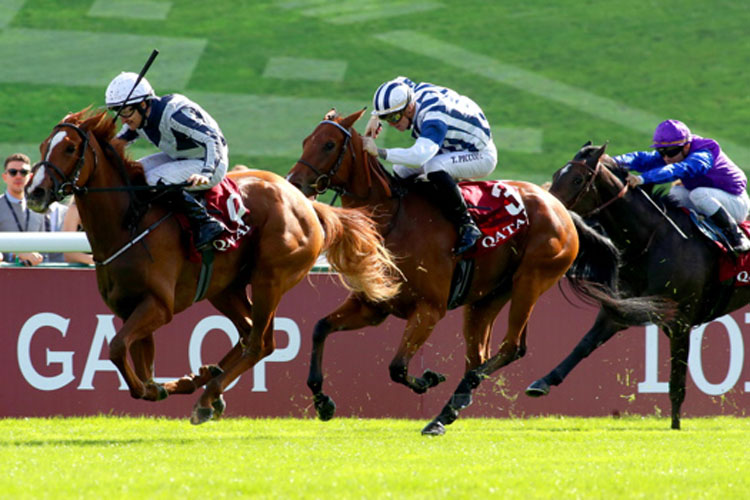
735, 269
224, 202
498, 210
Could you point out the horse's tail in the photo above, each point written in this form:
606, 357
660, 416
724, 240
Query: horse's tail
594, 278
355, 249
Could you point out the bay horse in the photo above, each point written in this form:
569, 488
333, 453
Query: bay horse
659, 259
146, 283
421, 240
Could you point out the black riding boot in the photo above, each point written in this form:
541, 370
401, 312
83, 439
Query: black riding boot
204, 227
732, 231
452, 203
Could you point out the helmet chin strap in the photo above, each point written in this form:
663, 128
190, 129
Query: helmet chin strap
143, 112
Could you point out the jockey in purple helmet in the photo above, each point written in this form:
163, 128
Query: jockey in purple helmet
711, 183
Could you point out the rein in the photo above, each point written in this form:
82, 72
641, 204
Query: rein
64, 185
590, 184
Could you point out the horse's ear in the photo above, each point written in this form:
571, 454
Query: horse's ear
349, 120
588, 143
331, 115
601, 150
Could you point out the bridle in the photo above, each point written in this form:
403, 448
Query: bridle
590, 185
323, 182
62, 184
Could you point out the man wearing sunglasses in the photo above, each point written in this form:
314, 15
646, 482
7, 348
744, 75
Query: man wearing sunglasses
453, 140
14, 214
193, 148
710, 182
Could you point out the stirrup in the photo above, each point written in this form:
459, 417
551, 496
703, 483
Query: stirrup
469, 234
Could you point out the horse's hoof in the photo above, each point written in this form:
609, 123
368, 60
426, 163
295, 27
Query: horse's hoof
219, 405
162, 392
201, 415
324, 406
215, 370
538, 389
434, 428
433, 378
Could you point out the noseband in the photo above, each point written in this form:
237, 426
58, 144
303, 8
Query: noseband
590, 184
322, 183
64, 185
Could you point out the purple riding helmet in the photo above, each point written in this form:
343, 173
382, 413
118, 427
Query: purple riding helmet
671, 133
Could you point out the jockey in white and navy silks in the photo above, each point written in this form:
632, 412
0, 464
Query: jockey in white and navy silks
453, 140
192, 148
189, 139
710, 182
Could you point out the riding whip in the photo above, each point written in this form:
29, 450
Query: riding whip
145, 68
657, 207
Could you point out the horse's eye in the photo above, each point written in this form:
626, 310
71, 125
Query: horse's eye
328, 146
578, 181
70, 149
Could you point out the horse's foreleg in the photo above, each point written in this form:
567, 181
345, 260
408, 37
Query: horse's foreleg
235, 305
142, 354
602, 330
419, 326
478, 319
352, 314
679, 347
148, 316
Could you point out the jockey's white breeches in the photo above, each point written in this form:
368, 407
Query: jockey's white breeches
161, 167
460, 165
707, 201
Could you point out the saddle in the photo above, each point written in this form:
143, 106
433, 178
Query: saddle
224, 202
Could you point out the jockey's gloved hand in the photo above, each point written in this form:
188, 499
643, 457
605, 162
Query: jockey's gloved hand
634, 180
373, 127
368, 144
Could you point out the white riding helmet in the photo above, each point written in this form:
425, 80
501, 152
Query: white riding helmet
119, 88
392, 96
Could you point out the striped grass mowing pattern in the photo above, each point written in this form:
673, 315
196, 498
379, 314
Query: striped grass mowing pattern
110, 457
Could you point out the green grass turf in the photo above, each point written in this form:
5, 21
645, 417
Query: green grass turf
681, 59
108, 457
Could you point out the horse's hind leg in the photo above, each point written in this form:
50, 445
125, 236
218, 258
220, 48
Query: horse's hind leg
679, 347
266, 298
528, 285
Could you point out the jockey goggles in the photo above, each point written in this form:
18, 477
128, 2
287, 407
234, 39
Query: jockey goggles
670, 151
125, 111
394, 117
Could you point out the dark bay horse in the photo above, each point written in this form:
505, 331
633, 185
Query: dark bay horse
421, 240
657, 261
153, 279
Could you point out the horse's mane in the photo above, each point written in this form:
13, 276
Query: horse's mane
101, 125
395, 185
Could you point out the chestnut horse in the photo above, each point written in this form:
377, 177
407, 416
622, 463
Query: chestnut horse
664, 255
146, 283
519, 271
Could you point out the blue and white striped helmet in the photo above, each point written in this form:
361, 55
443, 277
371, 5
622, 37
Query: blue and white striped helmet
392, 96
